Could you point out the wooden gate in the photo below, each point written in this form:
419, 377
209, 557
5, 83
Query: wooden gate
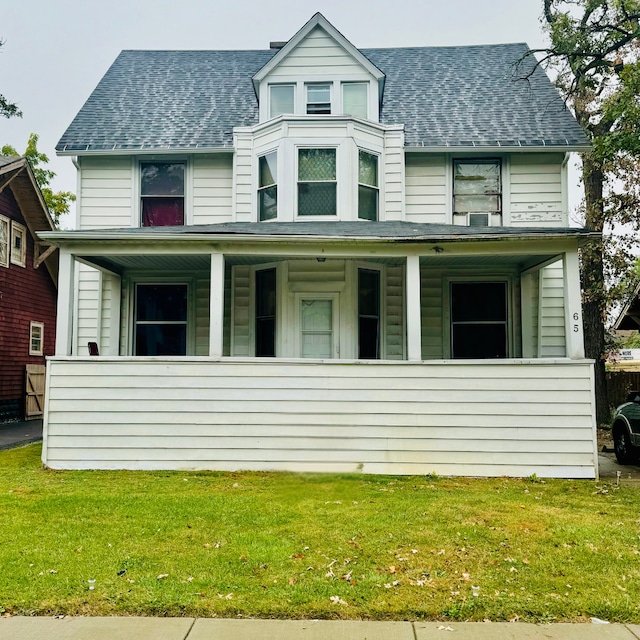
34, 406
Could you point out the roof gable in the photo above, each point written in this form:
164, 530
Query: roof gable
318, 21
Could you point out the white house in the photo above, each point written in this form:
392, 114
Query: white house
320, 258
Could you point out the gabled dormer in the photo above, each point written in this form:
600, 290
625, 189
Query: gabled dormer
319, 72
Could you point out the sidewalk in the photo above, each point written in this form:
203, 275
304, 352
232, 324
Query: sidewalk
16, 434
23, 628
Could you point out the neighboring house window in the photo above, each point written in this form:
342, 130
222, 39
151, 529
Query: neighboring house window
318, 99
354, 99
367, 186
281, 99
479, 320
162, 193
161, 320
5, 228
368, 314
18, 244
266, 313
36, 338
477, 190
317, 182
268, 186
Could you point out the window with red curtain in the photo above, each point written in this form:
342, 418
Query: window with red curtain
162, 194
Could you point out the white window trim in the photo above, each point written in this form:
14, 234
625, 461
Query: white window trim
138, 161
134, 280
332, 97
256, 171
36, 352
6, 223
446, 307
377, 155
17, 228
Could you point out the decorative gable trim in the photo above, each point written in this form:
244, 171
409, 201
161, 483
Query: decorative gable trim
318, 20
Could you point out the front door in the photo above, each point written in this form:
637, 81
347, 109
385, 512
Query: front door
317, 327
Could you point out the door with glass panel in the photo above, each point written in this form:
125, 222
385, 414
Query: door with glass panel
318, 322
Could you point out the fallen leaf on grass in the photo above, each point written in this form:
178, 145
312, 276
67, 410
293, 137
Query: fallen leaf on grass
162, 576
337, 600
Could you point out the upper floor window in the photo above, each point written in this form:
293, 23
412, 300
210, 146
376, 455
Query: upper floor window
354, 99
281, 99
477, 190
317, 182
318, 99
18, 244
267, 186
4, 241
162, 193
367, 186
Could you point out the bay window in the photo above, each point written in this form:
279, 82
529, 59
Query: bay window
318, 99
281, 99
317, 185
162, 194
354, 99
367, 186
268, 186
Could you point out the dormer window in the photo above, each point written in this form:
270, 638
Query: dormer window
162, 194
318, 99
354, 99
281, 99
268, 187
317, 182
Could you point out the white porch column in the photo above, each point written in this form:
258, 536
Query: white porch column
64, 320
115, 295
216, 305
573, 306
414, 338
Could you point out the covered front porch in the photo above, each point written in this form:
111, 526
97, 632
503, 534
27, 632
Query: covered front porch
455, 352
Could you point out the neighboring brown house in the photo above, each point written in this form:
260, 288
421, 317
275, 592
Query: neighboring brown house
28, 291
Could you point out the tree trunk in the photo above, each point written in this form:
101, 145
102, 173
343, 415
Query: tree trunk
593, 284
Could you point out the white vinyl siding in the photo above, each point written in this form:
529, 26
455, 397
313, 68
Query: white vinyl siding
392, 179
536, 190
242, 180
106, 192
482, 419
212, 189
241, 342
106, 314
426, 188
318, 55
88, 310
551, 318
202, 292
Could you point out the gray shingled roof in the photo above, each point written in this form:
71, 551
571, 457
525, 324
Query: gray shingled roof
445, 96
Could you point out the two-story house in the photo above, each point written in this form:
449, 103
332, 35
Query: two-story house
28, 281
321, 258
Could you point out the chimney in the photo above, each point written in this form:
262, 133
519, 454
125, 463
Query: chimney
276, 45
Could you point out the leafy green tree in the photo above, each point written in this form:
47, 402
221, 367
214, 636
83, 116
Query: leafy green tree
593, 55
8, 109
58, 202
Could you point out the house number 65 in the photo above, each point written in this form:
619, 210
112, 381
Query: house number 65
576, 327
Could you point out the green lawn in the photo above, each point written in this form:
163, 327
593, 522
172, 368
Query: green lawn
321, 546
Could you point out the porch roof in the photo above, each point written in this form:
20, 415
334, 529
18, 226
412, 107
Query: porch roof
315, 231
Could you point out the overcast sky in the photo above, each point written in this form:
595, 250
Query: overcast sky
56, 51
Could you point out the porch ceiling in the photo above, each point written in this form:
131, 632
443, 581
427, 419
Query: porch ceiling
194, 262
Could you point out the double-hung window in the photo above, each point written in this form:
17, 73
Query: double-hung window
18, 244
479, 322
318, 99
281, 99
265, 296
368, 314
367, 186
354, 99
162, 194
268, 186
36, 338
5, 233
161, 320
317, 186
477, 190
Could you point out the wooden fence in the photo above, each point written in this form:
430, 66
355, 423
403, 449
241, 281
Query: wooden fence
619, 383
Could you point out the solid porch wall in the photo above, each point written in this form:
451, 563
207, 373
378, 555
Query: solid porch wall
473, 418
